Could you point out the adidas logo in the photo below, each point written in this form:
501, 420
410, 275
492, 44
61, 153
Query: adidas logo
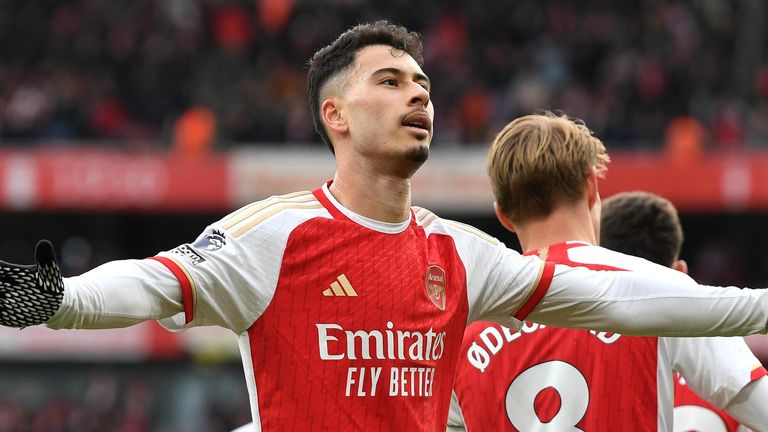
340, 288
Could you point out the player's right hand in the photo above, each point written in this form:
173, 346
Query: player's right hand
31, 294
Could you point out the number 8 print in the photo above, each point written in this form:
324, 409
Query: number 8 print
697, 418
563, 378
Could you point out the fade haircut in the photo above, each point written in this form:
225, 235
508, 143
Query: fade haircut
540, 161
642, 224
334, 59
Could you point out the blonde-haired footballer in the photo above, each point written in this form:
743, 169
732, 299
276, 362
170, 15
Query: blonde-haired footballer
545, 170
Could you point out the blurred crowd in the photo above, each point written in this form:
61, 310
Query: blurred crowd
140, 72
124, 398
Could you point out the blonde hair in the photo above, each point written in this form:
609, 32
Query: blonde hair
540, 161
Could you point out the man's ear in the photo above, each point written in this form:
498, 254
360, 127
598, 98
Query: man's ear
503, 218
592, 193
681, 266
333, 117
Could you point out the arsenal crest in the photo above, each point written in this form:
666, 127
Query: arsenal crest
435, 285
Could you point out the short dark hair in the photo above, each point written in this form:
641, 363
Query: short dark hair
642, 224
339, 55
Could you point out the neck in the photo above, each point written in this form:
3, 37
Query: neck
386, 198
566, 223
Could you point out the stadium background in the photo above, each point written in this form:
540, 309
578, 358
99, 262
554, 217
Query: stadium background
126, 127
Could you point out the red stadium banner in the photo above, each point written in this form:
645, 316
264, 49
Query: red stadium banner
453, 181
84, 179
718, 182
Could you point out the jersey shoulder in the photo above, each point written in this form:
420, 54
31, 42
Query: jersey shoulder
434, 224
276, 213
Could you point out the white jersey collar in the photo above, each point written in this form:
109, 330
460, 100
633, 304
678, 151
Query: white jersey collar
383, 227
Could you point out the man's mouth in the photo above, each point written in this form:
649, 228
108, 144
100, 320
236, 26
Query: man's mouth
418, 120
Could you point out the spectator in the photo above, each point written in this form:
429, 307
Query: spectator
84, 69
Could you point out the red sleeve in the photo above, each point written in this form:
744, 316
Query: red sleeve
187, 295
539, 291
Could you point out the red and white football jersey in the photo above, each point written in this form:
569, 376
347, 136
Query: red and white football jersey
346, 323
552, 379
694, 414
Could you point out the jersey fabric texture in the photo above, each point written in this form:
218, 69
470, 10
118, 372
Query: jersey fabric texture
345, 323
549, 378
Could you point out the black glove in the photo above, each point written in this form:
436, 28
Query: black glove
30, 295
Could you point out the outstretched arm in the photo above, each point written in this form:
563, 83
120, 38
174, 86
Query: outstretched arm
635, 303
503, 286
116, 294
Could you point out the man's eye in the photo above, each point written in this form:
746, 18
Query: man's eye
390, 82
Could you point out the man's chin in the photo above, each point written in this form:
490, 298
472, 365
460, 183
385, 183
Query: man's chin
418, 154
